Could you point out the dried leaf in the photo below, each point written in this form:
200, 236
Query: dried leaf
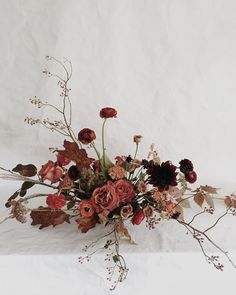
25, 170
66, 183
74, 153
46, 217
184, 203
209, 189
199, 199
209, 200
86, 223
12, 197
230, 202
123, 231
27, 185
179, 209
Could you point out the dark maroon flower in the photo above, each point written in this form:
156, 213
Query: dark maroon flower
108, 113
73, 173
162, 176
86, 136
191, 176
186, 166
138, 217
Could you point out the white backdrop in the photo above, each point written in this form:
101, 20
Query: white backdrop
169, 67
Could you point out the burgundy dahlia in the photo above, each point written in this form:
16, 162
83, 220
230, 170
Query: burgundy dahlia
186, 166
162, 176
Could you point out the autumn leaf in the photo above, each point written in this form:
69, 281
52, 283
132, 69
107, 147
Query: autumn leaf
66, 183
178, 209
25, 170
86, 223
209, 200
46, 217
123, 231
199, 199
74, 153
229, 202
209, 189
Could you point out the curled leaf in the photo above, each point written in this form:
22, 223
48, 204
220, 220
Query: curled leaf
25, 170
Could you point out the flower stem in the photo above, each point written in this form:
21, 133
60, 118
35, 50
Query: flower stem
136, 150
103, 144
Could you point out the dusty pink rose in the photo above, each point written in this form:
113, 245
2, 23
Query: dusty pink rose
124, 190
138, 217
51, 171
142, 187
126, 211
55, 201
104, 199
157, 196
117, 172
120, 160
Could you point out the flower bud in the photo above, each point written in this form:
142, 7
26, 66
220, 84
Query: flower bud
86, 136
108, 113
138, 217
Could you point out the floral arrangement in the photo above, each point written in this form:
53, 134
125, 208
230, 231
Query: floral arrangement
92, 191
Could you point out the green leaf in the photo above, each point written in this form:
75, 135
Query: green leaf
25, 170
115, 258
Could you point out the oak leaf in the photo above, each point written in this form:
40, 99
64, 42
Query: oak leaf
86, 223
199, 199
74, 153
209, 189
46, 217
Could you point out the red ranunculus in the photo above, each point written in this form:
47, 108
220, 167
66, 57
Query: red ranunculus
108, 113
51, 171
104, 199
86, 208
63, 161
124, 190
138, 217
86, 136
55, 201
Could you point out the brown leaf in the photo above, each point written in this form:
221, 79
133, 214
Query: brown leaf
199, 199
66, 183
86, 223
209, 189
74, 153
180, 210
123, 231
230, 202
46, 217
25, 170
12, 197
209, 200
27, 185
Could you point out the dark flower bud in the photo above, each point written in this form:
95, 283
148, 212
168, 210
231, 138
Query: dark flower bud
86, 136
191, 176
73, 173
138, 217
108, 113
186, 166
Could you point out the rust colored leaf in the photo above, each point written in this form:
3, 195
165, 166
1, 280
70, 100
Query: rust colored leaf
230, 202
209, 200
86, 223
199, 199
74, 153
46, 217
209, 189
123, 231
66, 183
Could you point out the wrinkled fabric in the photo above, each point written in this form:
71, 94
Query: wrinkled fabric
169, 69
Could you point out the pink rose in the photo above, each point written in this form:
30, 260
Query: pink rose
126, 211
124, 190
51, 171
55, 201
104, 199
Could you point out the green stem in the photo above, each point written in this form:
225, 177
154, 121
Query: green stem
103, 143
97, 152
136, 151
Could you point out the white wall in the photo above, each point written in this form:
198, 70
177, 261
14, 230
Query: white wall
168, 66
